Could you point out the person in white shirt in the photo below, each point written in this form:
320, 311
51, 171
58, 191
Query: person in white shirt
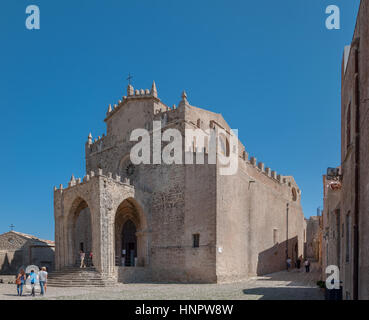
288, 263
43, 280
82, 256
307, 265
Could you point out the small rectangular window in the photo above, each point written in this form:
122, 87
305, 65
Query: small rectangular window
196, 240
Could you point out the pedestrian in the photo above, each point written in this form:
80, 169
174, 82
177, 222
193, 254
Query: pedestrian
33, 279
298, 263
82, 256
288, 263
21, 279
307, 265
91, 256
43, 280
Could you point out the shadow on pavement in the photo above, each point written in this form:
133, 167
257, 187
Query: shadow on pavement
283, 293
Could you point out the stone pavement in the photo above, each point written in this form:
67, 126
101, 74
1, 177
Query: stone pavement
293, 285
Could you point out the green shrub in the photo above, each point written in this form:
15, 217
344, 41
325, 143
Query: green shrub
321, 284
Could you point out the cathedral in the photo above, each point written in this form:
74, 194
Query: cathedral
178, 222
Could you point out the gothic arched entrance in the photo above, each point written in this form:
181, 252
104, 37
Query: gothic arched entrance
130, 238
79, 229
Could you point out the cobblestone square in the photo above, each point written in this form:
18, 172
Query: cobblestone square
293, 285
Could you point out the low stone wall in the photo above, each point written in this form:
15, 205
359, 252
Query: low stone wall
7, 279
133, 274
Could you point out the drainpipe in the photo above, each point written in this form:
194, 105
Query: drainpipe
355, 45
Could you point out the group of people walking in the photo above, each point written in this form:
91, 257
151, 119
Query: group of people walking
34, 278
298, 264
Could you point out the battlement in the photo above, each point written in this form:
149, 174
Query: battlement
93, 174
97, 144
166, 113
133, 94
271, 174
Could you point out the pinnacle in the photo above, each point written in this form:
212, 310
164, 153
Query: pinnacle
154, 91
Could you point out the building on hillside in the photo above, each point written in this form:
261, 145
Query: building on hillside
175, 222
18, 250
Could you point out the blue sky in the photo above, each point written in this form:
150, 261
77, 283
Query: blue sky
270, 67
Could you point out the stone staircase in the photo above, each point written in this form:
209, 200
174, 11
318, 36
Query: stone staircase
76, 277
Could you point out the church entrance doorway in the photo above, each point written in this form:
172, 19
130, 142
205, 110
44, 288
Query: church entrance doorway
130, 238
129, 243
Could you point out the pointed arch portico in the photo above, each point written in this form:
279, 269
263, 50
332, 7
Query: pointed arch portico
130, 229
98, 197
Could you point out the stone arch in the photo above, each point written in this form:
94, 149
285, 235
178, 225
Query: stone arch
130, 212
79, 230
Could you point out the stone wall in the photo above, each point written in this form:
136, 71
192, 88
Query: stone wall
354, 105
252, 224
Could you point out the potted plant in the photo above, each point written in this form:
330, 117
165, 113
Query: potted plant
321, 285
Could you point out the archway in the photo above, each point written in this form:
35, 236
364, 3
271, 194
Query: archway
79, 232
130, 247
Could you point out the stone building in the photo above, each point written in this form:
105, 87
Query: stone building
313, 244
175, 222
18, 250
347, 217
331, 225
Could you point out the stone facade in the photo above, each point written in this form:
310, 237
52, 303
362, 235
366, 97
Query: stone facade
348, 215
176, 222
18, 250
313, 232
332, 226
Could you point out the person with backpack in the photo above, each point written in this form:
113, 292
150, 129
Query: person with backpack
33, 279
21, 279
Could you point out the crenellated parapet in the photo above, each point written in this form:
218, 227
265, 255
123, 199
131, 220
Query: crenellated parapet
97, 144
133, 94
260, 167
93, 175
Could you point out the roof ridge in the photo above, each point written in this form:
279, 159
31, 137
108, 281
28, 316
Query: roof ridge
30, 236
